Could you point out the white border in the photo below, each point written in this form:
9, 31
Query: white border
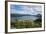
29, 29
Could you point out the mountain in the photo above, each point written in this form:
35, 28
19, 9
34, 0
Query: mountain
17, 15
20, 15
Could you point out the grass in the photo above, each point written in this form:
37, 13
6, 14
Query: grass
18, 24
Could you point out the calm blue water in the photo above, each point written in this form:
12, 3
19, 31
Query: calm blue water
24, 18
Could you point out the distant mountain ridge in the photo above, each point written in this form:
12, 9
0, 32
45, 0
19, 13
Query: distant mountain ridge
12, 15
20, 15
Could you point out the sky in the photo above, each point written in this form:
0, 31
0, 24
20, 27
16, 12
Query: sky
26, 9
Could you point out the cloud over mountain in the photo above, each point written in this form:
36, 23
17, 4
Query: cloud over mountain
26, 9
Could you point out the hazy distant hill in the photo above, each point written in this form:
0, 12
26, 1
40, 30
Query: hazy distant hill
17, 15
20, 15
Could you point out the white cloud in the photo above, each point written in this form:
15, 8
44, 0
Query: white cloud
28, 10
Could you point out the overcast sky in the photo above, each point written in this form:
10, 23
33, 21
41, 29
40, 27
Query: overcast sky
26, 9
